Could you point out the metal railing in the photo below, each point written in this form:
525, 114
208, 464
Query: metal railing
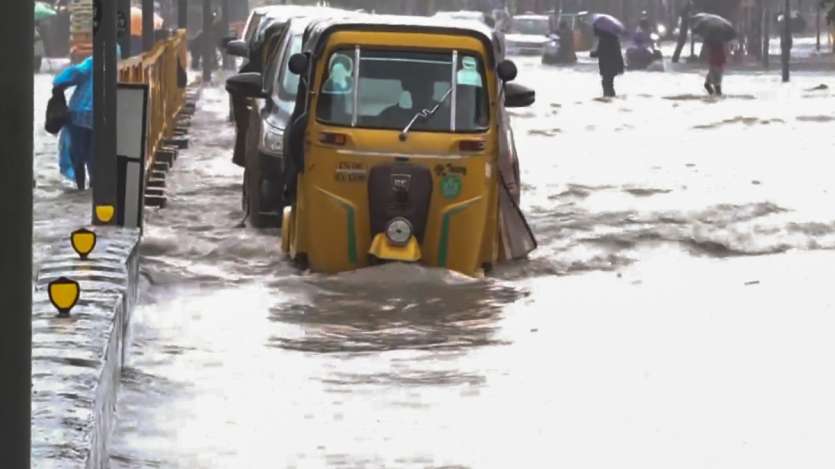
163, 69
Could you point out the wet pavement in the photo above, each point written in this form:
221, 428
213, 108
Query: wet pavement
677, 313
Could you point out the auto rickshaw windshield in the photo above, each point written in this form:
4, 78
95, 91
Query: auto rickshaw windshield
394, 85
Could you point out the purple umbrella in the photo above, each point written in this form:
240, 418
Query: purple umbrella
608, 24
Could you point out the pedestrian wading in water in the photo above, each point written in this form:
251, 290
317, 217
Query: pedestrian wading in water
76, 144
716, 59
609, 59
76, 151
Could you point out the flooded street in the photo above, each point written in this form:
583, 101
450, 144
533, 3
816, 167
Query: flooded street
678, 312
58, 207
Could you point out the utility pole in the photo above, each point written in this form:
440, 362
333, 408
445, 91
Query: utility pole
123, 32
182, 14
16, 105
224, 11
147, 25
627, 5
766, 36
818, 25
755, 40
207, 46
786, 43
104, 107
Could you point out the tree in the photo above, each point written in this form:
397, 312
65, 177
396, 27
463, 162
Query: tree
830, 15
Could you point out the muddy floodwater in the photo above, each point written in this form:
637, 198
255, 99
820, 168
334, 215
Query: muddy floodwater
677, 314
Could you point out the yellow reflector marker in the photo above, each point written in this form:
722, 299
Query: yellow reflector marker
104, 213
83, 241
64, 293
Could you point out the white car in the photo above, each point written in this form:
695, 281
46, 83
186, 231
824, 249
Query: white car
529, 34
466, 15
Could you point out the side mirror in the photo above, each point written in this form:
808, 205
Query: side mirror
517, 95
298, 64
237, 48
507, 71
226, 40
246, 85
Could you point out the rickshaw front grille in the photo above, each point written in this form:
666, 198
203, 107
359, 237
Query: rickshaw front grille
399, 190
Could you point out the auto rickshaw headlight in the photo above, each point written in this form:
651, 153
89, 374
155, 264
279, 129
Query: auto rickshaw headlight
399, 231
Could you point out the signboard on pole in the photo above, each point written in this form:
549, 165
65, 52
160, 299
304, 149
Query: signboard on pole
131, 140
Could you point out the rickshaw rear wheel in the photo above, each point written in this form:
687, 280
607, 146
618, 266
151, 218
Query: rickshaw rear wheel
300, 261
487, 268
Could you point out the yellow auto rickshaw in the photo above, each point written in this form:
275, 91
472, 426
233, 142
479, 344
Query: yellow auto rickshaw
399, 147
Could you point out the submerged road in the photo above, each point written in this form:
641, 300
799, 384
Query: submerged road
678, 312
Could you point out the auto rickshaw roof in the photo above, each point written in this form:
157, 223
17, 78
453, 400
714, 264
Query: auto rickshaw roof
319, 31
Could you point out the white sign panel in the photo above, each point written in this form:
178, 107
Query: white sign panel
131, 120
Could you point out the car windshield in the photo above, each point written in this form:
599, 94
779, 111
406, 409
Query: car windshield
395, 85
460, 15
538, 26
287, 83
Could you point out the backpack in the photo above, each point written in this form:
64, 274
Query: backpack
57, 113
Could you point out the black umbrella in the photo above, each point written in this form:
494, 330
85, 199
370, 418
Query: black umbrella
712, 27
798, 23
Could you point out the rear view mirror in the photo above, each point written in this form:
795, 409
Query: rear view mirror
246, 85
517, 95
507, 71
237, 48
298, 64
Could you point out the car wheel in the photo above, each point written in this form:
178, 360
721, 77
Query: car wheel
252, 193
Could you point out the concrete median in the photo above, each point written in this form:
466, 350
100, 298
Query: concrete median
77, 361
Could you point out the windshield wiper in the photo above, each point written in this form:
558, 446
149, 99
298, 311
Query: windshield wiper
424, 115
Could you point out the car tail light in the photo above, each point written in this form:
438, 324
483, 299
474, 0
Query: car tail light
333, 139
471, 145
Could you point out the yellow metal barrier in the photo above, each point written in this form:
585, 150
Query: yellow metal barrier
162, 69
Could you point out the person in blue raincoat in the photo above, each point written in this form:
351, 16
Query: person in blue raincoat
76, 140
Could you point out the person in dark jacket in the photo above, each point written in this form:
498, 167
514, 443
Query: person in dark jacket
716, 58
206, 43
610, 60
